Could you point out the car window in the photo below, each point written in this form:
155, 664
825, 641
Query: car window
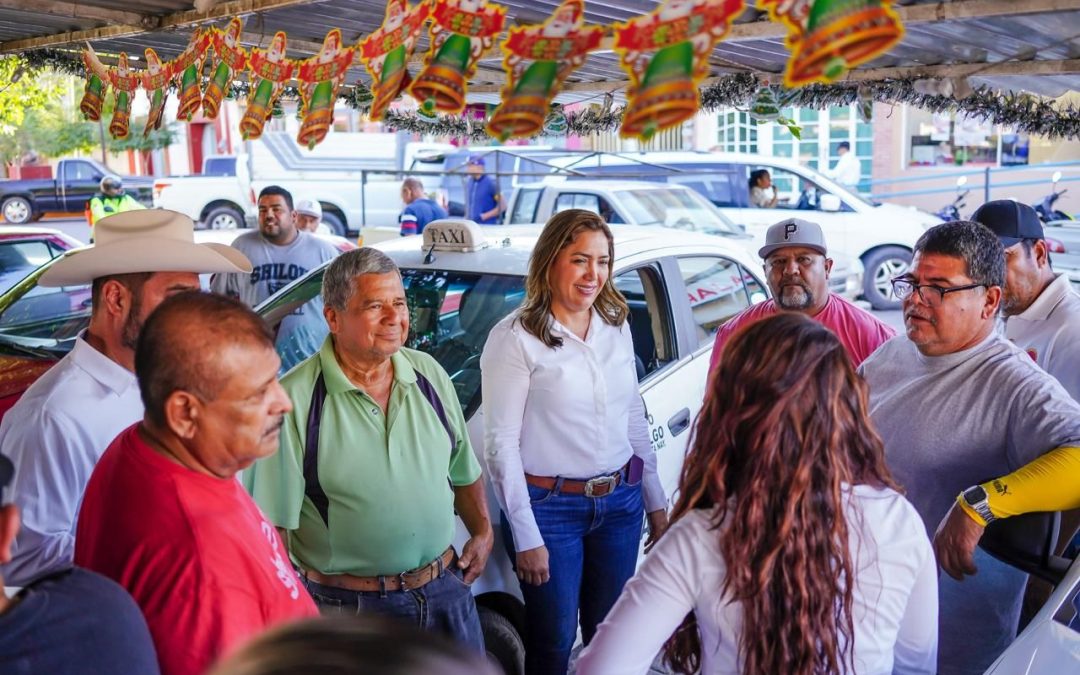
577, 200
525, 206
682, 209
220, 166
717, 289
48, 313
450, 315
650, 319
24, 253
796, 191
80, 171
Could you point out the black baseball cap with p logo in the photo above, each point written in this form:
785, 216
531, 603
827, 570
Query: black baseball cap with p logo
793, 232
1010, 220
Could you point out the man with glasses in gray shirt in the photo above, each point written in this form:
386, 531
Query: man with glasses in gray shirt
956, 405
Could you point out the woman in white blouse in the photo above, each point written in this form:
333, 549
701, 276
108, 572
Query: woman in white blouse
566, 441
790, 550
762, 192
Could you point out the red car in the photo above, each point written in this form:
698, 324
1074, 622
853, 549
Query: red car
24, 249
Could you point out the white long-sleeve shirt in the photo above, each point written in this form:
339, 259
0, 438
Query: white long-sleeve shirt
574, 411
894, 608
54, 436
847, 171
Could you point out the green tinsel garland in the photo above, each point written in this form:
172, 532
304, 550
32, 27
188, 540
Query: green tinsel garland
1019, 111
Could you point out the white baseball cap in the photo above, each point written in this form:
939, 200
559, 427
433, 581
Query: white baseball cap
309, 207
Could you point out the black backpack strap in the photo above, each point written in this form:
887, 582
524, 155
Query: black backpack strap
432, 396
312, 486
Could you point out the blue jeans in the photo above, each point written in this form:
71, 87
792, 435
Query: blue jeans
592, 545
444, 605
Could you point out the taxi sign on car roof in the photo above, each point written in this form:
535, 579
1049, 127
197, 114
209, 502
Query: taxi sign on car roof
454, 234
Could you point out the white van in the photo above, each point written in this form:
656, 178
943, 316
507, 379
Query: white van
882, 236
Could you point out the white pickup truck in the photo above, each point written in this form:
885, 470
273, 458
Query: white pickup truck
659, 204
363, 190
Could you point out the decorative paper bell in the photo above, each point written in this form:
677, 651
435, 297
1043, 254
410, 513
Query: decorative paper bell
842, 34
766, 107
426, 116
667, 95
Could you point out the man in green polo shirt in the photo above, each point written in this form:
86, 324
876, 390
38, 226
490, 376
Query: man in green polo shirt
374, 460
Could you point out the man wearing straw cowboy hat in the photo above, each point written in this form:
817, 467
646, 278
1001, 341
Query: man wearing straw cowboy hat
55, 434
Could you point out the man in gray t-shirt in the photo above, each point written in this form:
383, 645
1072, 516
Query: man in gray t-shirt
281, 254
956, 405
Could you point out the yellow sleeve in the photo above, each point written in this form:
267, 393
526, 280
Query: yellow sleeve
1049, 483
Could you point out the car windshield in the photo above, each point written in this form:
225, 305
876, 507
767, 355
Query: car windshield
450, 315
44, 318
682, 209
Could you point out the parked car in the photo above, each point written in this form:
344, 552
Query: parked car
38, 325
23, 249
23, 201
881, 236
651, 203
356, 180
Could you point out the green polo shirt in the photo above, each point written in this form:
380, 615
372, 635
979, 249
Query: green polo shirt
391, 508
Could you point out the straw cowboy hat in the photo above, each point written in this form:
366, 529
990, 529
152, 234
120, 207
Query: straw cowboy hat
148, 240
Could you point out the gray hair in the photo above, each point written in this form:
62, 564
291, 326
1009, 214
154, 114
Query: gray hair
974, 243
337, 284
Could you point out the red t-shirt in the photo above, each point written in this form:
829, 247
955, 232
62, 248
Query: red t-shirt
859, 331
204, 565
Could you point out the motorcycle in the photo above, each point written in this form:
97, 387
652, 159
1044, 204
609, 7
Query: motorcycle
1047, 212
952, 211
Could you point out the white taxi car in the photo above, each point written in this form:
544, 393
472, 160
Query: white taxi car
681, 286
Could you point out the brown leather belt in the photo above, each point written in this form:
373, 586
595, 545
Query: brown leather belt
409, 581
600, 486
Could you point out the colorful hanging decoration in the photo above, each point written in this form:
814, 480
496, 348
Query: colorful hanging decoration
666, 53
827, 38
271, 70
231, 58
461, 31
320, 77
387, 51
155, 82
766, 106
124, 83
188, 66
865, 104
538, 60
97, 77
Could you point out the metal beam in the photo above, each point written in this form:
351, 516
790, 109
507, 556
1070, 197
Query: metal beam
151, 24
756, 30
73, 10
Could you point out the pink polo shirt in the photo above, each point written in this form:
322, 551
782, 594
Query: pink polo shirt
859, 331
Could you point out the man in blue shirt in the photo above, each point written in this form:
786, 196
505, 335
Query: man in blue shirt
73, 621
419, 210
484, 204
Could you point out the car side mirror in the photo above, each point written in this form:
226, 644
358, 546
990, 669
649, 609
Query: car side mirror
829, 203
1027, 542
1056, 177
961, 182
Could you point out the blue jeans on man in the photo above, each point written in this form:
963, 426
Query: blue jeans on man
444, 605
592, 545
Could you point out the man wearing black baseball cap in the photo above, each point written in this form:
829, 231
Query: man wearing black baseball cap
1042, 312
72, 622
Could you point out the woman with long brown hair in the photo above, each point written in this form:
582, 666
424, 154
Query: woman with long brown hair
566, 441
791, 550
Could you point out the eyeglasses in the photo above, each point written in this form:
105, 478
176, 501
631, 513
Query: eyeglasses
903, 288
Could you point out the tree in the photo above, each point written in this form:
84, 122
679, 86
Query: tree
24, 91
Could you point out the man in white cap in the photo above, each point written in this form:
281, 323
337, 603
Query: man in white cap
309, 217
797, 270
60, 427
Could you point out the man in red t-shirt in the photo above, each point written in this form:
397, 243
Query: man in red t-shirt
163, 514
797, 270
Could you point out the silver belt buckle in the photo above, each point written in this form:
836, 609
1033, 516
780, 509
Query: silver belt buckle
593, 483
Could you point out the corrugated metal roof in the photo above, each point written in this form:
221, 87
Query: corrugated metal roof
1052, 34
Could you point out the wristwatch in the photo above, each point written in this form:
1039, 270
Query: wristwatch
976, 498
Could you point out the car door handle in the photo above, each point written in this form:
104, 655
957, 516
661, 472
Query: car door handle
679, 422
